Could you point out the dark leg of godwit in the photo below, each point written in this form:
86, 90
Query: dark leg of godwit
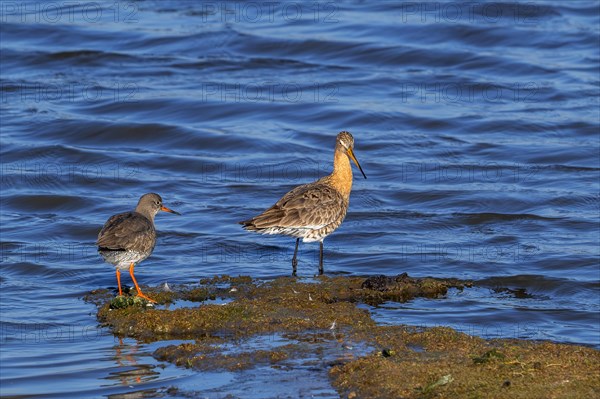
294, 260
137, 287
321, 258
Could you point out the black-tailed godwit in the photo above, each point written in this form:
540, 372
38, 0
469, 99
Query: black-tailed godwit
312, 211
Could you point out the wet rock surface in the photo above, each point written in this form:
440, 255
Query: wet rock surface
402, 288
288, 323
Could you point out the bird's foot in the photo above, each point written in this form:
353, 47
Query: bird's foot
141, 295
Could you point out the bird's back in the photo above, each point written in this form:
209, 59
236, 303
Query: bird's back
310, 211
127, 232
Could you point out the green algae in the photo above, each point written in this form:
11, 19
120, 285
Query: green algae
122, 302
402, 361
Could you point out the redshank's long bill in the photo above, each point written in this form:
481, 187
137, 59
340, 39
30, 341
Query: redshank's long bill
128, 238
313, 211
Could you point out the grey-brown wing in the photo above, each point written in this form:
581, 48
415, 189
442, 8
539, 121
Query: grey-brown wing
127, 231
312, 205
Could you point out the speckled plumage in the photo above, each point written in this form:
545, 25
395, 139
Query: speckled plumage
312, 211
128, 238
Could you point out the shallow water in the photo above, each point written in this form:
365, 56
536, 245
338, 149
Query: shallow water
476, 124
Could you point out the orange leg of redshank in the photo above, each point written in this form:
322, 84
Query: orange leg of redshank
137, 287
119, 281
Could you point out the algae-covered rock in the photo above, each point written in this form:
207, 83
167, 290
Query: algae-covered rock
401, 288
207, 356
283, 304
322, 320
456, 365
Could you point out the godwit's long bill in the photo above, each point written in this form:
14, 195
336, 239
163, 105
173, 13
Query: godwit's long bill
128, 238
313, 211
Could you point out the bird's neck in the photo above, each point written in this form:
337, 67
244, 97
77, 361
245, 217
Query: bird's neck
144, 212
341, 177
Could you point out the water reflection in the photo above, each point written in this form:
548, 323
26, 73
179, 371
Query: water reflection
130, 372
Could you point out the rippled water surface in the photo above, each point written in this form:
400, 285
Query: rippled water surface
476, 124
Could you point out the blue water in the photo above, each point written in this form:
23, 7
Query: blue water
476, 124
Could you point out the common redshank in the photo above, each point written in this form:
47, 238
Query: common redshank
312, 211
128, 238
